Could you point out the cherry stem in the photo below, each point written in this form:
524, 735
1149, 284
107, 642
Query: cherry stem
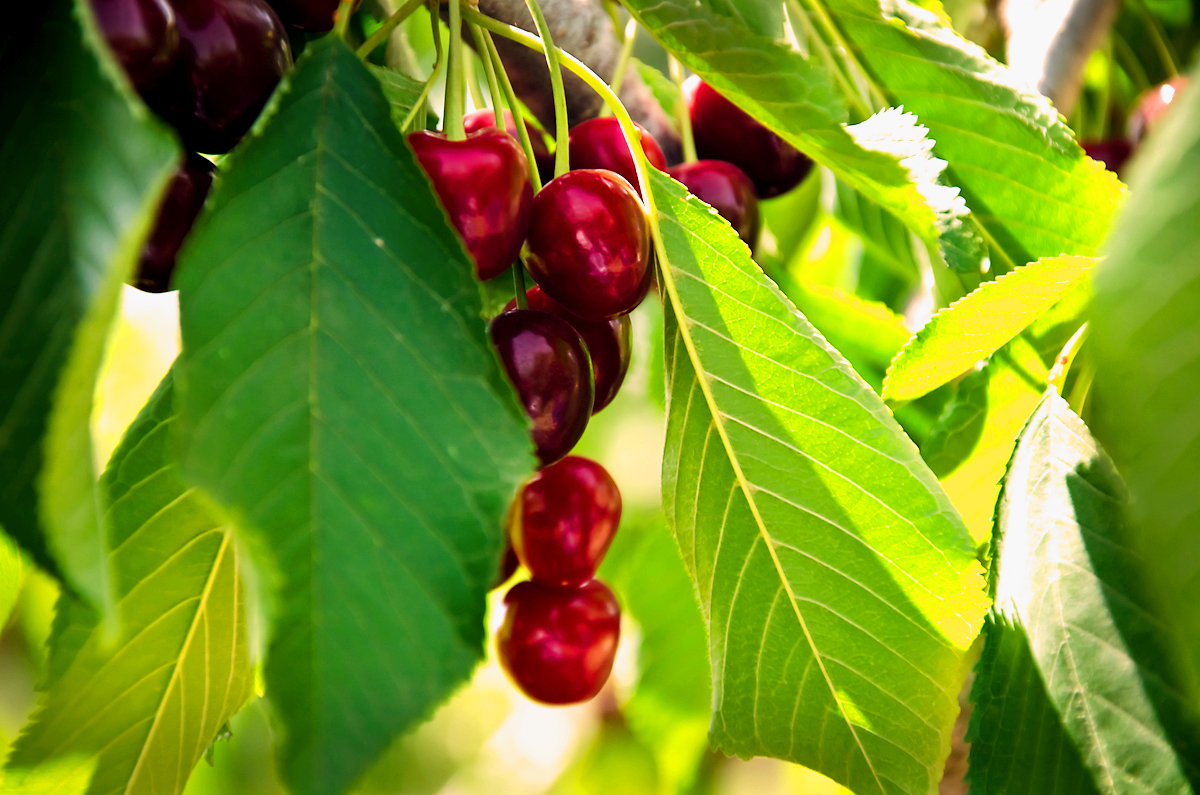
341, 18
489, 72
622, 61
473, 84
518, 271
514, 106
1057, 377
385, 30
452, 116
561, 128
681, 112
439, 60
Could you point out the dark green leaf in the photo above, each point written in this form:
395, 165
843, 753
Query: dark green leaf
662, 87
1068, 588
340, 398
1147, 388
838, 583
83, 165
155, 696
401, 91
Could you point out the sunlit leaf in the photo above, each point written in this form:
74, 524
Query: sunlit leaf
10, 576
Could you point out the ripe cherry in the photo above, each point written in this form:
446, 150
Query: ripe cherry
589, 246
599, 143
558, 644
1112, 152
608, 342
1152, 106
314, 15
183, 201
548, 364
726, 188
478, 120
564, 520
232, 55
483, 183
723, 131
142, 35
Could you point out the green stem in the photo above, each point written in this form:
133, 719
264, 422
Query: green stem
1066, 357
341, 18
472, 79
1106, 89
1159, 38
622, 61
489, 72
1130, 63
681, 113
438, 61
385, 30
612, 9
561, 129
847, 58
831, 63
518, 272
452, 111
513, 106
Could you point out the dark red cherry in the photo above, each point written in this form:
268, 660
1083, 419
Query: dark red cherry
483, 183
509, 564
1112, 153
723, 131
558, 644
478, 120
599, 143
232, 54
314, 15
548, 364
143, 37
726, 188
564, 519
176, 214
1152, 105
608, 342
589, 245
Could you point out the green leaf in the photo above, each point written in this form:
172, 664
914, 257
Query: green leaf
975, 326
838, 583
1064, 573
10, 576
1032, 190
340, 399
881, 231
862, 331
401, 91
66, 775
670, 704
1146, 333
665, 92
148, 702
84, 164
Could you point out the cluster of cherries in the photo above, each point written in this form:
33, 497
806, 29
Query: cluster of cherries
1147, 113
207, 67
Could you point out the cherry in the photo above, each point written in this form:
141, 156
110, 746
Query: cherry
608, 342
232, 55
564, 519
183, 201
143, 37
548, 364
589, 246
483, 183
314, 15
508, 565
599, 143
723, 131
1112, 152
1152, 105
478, 120
726, 188
558, 644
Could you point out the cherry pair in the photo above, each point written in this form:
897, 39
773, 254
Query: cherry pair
561, 628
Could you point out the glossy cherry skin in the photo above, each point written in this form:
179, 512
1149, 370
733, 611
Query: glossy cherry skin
589, 245
1152, 105
599, 143
183, 202
314, 15
1112, 153
478, 120
483, 183
142, 35
558, 644
723, 131
564, 520
232, 54
726, 188
609, 343
548, 364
